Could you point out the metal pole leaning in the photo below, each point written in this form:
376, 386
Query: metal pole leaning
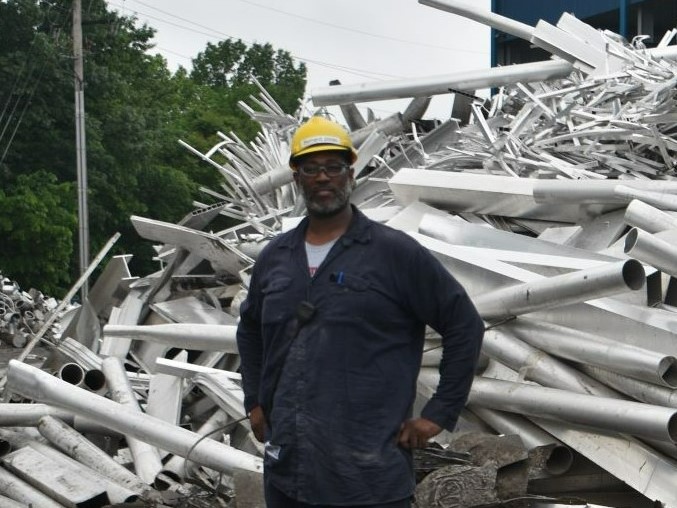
66, 299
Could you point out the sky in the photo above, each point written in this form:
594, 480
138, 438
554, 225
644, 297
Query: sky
354, 41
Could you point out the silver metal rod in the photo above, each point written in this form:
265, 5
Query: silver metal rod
77, 446
604, 413
595, 191
95, 380
559, 457
503, 346
202, 337
501, 23
28, 415
17, 489
648, 218
67, 299
436, 85
651, 250
590, 349
33, 383
660, 199
147, 461
559, 290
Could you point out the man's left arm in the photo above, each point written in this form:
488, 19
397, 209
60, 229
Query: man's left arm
445, 306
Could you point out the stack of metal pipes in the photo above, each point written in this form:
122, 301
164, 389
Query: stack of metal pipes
553, 204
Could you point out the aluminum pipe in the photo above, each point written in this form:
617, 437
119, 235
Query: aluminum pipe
33, 383
603, 413
558, 458
483, 16
183, 335
18, 490
147, 461
392, 124
95, 380
651, 250
6, 502
537, 366
590, 349
660, 198
652, 220
639, 390
585, 192
574, 287
71, 442
28, 415
71, 373
436, 85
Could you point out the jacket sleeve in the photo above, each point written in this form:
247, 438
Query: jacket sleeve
250, 342
443, 304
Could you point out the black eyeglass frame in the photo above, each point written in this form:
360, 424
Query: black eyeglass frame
333, 169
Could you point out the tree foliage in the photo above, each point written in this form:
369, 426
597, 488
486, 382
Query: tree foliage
136, 111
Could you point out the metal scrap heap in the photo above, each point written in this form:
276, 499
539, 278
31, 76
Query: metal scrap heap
553, 203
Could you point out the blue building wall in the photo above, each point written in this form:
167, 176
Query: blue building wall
530, 11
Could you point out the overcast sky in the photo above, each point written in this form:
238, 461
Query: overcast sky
355, 41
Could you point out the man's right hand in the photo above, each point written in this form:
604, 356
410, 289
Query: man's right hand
257, 422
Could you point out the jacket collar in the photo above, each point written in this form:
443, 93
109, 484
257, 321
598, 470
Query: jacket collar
358, 231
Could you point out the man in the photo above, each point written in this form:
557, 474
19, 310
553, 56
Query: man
331, 338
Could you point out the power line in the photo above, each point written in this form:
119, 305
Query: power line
214, 32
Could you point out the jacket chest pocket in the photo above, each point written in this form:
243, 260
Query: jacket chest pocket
351, 294
277, 300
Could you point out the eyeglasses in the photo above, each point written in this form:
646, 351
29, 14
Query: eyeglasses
331, 169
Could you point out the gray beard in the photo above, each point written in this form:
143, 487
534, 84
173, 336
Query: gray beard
331, 208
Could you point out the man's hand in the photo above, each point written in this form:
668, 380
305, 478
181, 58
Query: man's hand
257, 422
416, 432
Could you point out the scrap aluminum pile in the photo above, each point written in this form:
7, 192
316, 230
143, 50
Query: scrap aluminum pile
22, 313
553, 204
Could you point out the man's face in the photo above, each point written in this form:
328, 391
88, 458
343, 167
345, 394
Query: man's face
324, 192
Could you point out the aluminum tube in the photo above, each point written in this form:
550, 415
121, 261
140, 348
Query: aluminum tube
651, 250
649, 218
436, 85
71, 442
590, 349
177, 468
537, 366
560, 457
5, 447
71, 373
17, 489
183, 335
95, 380
33, 383
467, 10
574, 287
147, 461
640, 390
415, 110
603, 413
272, 180
392, 124
658, 198
353, 116
6, 502
593, 191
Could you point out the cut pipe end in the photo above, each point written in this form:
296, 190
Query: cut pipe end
631, 240
633, 274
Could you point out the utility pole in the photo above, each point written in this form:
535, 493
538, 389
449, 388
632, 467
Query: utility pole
80, 145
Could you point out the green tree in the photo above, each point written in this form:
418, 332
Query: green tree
37, 219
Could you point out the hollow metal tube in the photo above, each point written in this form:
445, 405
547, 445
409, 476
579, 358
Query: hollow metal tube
71, 373
559, 458
95, 380
574, 287
18, 490
649, 218
503, 346
33, 383
436, 85
594, 191
147, 461
84, 451
184, 335
651, 250
586, 348
470, 11
604, 413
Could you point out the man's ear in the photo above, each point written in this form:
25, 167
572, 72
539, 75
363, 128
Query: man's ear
295, 174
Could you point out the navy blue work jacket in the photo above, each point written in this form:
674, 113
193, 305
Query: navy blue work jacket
337, 379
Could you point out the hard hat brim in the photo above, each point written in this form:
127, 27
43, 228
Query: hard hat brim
322, 148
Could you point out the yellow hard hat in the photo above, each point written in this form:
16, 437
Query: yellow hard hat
319, 134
